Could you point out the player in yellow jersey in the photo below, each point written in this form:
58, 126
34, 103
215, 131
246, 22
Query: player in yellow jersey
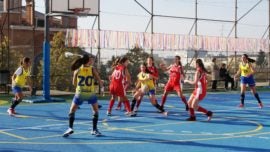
19, 80
83, 78
246, 72
145, 85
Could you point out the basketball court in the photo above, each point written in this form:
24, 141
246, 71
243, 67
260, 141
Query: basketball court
39, 127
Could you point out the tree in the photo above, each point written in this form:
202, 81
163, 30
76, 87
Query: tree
14, 56
3, 53
261, 59
60, 73
136, 57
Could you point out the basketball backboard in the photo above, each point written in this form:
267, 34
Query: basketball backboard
67, 7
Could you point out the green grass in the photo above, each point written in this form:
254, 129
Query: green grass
4, 99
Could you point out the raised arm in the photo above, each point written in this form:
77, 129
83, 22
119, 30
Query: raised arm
164, 68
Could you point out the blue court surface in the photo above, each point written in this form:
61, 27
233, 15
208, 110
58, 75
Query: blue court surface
39, 127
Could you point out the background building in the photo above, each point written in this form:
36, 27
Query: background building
24, 28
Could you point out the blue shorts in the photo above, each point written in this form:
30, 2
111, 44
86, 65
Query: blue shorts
151, 92
248, 80
78, 100
16, 89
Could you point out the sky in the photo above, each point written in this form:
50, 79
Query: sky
127, 15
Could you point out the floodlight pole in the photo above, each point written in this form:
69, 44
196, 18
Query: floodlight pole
46, 54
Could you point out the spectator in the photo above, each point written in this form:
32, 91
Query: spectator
214, 74
224, 75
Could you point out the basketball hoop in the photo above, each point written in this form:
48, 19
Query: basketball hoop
80, 11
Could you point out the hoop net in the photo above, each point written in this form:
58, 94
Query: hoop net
81, 11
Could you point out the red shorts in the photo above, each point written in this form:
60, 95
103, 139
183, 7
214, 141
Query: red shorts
170, 86
197, 93
117, 90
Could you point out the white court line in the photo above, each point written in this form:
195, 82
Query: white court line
41, 126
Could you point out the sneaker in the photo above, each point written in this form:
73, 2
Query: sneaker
161, 109
131, 114
11, 111
68, 132
241, 105
165, 113
191, 118
118, 108
136, 109
187, 108
209, 114
109, 113
95, 132
261, 105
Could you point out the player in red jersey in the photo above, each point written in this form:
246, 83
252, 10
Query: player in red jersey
111, 104
199, 93
175, 71
120, 79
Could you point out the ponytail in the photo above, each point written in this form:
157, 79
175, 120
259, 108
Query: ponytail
116, 61
146, 69
79, 62
249, 59
201, 65
123, 59
153, 63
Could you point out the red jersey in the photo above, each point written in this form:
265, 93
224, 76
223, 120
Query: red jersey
118, 81
153, 71
175, 73
118, 75
201, 85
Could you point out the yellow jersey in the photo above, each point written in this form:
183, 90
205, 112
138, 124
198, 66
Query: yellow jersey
245, 69
145, 81
21, 79
85, 81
